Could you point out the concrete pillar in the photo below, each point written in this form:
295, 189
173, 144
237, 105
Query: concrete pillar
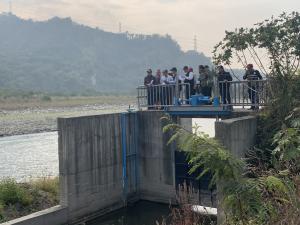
157, 168
238, 135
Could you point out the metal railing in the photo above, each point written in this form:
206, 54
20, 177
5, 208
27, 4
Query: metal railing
243, 93
160, 96
230, 93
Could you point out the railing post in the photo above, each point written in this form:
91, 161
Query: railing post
177, 89
243, 96
138, 98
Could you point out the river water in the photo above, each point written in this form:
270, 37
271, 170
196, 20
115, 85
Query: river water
141, 213
29, 156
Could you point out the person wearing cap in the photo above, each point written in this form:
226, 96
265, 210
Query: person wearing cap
205, 80
209, 81
253, 76
156, 88
149, 82
200, 79
157, 77
166, 78
174, 73
180, 77
177, 80
168, 88
189, 79
224, 87
149, 79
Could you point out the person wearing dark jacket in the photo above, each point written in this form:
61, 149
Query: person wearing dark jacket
205, 80
156, 88
224, 86
253, 76
148, 82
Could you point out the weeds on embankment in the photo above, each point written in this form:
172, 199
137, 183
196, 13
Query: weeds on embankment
183, 213
20, 199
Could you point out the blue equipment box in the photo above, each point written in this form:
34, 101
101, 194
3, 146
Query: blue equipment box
197, 100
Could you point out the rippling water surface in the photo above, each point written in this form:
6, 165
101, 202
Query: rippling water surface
29, 156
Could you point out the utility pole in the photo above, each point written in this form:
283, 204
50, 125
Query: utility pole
120, 27
195, 43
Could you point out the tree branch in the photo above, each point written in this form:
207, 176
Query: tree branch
258, 58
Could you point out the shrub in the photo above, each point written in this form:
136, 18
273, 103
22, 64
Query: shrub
1, 212
263, 198
12, 193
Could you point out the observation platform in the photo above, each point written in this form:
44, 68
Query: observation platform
178, 101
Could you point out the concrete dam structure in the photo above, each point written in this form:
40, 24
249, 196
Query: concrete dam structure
108, 161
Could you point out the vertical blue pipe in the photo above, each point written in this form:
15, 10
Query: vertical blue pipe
124, 155
136, 135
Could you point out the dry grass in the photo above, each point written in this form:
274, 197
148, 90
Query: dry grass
47, 184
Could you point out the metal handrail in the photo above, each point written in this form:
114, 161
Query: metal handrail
244, 93
231, 93
160, 96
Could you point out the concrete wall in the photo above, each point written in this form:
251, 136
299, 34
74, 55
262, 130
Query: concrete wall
237, 134
91, 163
157, 168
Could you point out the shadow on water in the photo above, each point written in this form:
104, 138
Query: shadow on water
141, 213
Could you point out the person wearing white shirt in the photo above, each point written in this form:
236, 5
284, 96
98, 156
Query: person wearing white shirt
168, 88
167, 79
189, 79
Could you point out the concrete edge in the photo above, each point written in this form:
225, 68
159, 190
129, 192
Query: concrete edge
89, 116
232, 120
53, 215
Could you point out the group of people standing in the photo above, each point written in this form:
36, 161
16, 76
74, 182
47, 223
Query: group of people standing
166, 80
161, 87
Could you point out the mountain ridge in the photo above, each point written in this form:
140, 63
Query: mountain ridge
61, 56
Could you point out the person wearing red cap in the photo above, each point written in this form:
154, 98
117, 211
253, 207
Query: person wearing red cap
253, 76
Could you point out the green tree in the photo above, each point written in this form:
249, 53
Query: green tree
275, 48
257, 199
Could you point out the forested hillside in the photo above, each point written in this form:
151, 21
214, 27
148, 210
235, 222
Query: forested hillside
61, 56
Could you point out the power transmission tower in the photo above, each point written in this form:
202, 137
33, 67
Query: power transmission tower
120, 27
195, 43
10, 7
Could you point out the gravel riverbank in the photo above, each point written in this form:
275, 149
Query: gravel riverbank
26, 118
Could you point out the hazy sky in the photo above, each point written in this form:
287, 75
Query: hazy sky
183, 19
